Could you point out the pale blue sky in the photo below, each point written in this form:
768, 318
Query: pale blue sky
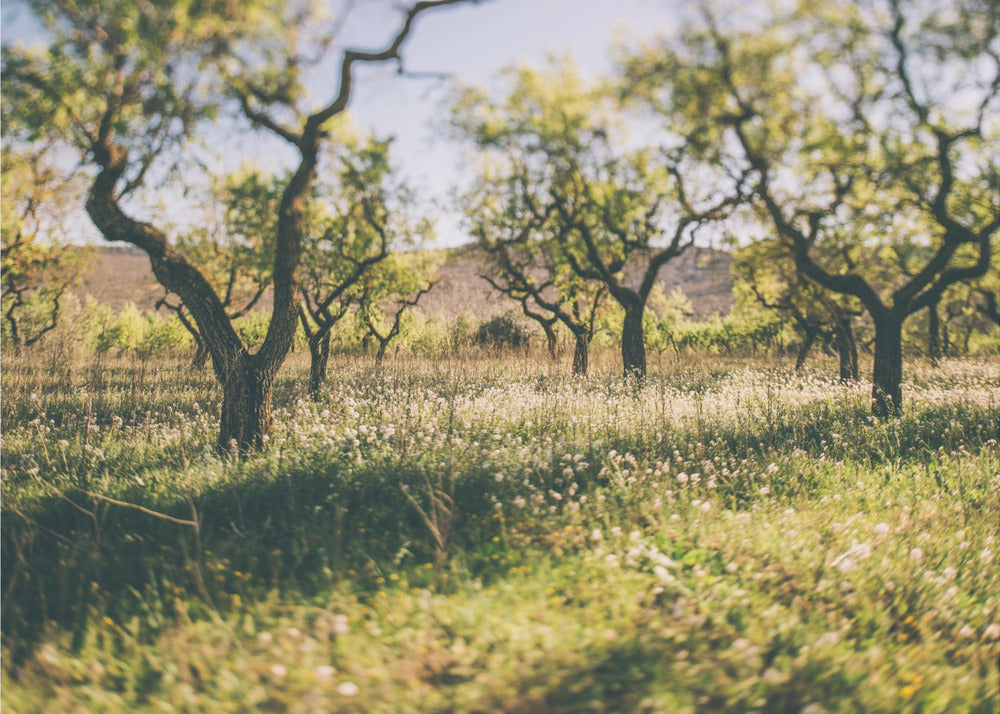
474, 44
470, 43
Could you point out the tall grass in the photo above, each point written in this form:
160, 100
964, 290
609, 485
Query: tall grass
490, 534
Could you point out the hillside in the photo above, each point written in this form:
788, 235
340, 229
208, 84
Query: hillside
122, 274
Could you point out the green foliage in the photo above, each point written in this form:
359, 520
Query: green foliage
360, 216
147, 56
125, 331
504, 332
873, 197
37, 268
663, 318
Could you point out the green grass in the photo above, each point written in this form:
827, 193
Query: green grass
497, 536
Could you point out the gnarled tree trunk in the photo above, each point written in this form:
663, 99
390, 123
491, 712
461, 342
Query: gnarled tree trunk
933, 334
581, 355
319, 357
887, 392
633, 343
201, 354
807, 342
550, 341
380, 352
847, 350
246, 404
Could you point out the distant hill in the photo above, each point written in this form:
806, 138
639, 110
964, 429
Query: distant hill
122, 274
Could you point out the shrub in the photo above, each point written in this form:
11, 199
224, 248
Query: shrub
503, 332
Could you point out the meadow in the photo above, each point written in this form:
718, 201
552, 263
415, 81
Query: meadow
493, 534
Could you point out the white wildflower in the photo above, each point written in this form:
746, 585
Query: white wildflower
340, 625
828, 639
325, 671
847, 560
348, 689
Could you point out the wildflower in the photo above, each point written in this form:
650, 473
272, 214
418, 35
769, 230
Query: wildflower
967, 632
279, 670
325, 671
986, 557
595, 535
773, 676
662, 574
828, 639
340, 625
992, 632
916, 554
882, 528
742, 644
847, 560
347, 689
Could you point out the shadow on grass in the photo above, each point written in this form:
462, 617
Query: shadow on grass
66, 563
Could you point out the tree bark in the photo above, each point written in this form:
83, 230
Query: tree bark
581, 355
933, 334
633, 343
380, 352
319, 357
847, 350
201, 355
807, 342
887, 393
550, 341
246, 404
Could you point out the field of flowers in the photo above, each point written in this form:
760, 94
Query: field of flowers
495, 535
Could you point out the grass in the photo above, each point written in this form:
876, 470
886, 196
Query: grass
499, 536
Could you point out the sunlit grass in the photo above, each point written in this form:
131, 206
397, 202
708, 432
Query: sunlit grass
498, 535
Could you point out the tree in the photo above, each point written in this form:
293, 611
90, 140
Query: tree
765, 273
360, 218
124, 85
387, 291
964, 309
38, 267
620, 214
869, 145
233, 249
524, 260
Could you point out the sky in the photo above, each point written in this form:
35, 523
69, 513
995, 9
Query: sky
471, 44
